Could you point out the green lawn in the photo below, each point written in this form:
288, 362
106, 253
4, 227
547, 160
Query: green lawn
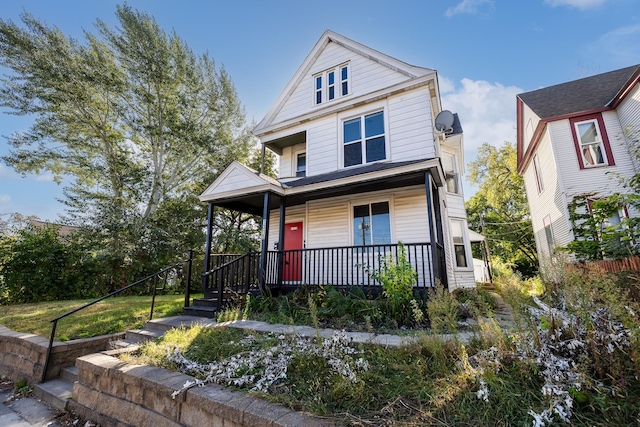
112, 315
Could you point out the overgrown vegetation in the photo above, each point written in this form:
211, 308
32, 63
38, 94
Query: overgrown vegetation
573, 356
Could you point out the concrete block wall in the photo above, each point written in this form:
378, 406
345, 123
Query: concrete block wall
22, 355
116, 394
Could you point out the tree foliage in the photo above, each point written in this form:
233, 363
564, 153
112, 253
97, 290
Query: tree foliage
501, 204
37, 264
133, 122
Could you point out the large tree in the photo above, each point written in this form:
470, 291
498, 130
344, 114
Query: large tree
500, 207
132, 119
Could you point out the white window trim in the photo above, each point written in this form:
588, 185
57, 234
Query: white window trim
600, 142
537, 172
361, 112
294, 163
370, 201
456, 172
467, 245
337, 84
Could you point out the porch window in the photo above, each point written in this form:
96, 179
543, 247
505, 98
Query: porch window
301, 165
331, 84
591, 142
459, 247
371, 224
451, 172
371, 148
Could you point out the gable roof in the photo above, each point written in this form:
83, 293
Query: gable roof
411, 71
239, 178
589, 93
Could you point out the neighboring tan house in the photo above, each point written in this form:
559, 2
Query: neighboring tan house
362, 166
573, 140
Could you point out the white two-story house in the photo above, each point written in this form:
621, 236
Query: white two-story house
362, 166
573, 140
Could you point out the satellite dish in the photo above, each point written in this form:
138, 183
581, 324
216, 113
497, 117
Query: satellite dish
444, 121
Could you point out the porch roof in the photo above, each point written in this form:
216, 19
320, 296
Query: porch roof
249, 195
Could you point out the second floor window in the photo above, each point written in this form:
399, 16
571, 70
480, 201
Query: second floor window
364, 139
331, 84
450, 172
301, 165
591, 142
538, 173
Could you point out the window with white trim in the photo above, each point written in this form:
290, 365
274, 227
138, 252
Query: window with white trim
451, 174
331, 84
364, 139
537, 171
301, 165
459, 244
591, 141
371, 224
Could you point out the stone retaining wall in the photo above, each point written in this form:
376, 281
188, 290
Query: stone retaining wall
117, 394
22, 355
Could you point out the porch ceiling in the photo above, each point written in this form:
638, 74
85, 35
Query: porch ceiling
277, 145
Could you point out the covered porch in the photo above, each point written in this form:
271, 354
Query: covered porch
279, 267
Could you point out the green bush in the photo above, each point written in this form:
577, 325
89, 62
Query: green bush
39, 265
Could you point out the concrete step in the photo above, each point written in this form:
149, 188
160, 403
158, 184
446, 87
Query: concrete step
69, 374
54, 392
142, 335
200, 311
167, 323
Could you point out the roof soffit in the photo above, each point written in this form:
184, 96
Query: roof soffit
327, 37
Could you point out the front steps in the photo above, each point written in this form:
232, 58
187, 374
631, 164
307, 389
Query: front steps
58, 391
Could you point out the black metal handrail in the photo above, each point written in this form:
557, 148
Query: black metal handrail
238, 274
155, 276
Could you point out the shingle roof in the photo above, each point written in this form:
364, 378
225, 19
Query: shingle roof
344, 173
585, 94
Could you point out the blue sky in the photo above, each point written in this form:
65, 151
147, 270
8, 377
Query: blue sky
485, 51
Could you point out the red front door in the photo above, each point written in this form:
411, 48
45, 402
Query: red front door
293, 238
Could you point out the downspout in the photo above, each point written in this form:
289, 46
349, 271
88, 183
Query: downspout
262, 268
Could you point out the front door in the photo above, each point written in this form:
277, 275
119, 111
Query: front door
293, 239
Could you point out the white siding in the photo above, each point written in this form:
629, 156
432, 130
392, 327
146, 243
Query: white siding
529, 123
322, 146
629, 115
551, 200
366, 76
410, 130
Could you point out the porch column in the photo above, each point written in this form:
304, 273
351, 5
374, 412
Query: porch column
262, 267
281, 239
207, 247
433, 239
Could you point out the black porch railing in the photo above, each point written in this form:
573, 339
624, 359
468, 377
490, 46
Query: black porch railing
238, 273
346, 266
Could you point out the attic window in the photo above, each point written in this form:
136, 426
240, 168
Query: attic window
331, 84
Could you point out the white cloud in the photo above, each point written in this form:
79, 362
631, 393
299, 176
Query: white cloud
468, 6
580, 4
487, 113
5, 198
621, 46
